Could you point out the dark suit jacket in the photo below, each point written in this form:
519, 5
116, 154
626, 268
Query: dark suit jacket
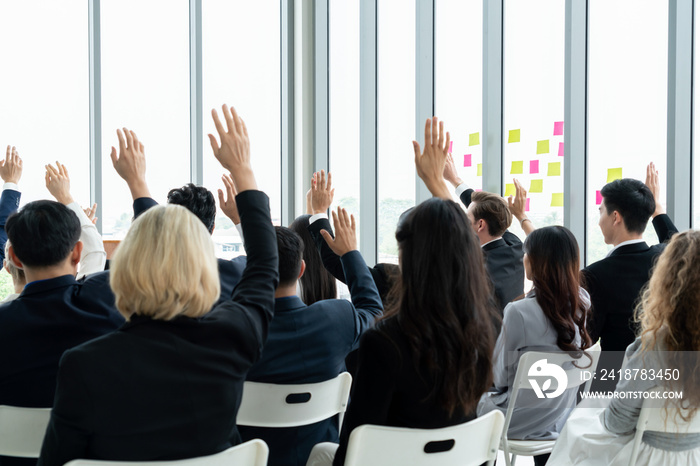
164, 390
614, 284
308, 344
504, 263
230, 271
9, 203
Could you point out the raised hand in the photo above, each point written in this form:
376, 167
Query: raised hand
228, 204
11, 167
58, 183
652, 182
131, 163
345, 237
321, 193
234, 152
450, 172
430, 165
90, 212
516, 205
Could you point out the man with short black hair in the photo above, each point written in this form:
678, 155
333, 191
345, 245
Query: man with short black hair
308, 344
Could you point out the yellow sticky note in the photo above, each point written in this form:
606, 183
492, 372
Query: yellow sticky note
543, 147
510, 190
478, 169
614, 174
536, 186
516, 168
554, 169
557, 199
474, 139
514, 135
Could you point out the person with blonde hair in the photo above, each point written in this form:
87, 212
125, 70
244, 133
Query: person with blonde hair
668, 344
168, 384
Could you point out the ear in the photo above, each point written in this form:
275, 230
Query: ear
76, 253
302, 270
4, 266
15, 260
617, 218
481, 225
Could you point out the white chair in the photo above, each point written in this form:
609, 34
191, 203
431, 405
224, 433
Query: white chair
470, 444
514, 448
272, 405
654, 417
22, 430
251, 453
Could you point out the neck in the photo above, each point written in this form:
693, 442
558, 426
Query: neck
486, 238
45, 273
286, 291
626, 236
19, 287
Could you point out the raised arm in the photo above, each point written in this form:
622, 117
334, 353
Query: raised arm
663, 225
93, 257
430, 164
130, 165
10, 172
516, 204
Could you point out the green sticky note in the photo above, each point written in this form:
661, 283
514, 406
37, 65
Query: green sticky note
510, 190
474, 139
557, 199
514, 135
554, 169
543, 147
614, 174
536, 186
478, 169
516, 168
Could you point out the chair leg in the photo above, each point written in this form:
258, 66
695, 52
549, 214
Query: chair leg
512, 459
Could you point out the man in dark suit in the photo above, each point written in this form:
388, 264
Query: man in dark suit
131, 166
308, 344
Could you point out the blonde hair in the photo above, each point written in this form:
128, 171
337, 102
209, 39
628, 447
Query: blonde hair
165, 267
669, 311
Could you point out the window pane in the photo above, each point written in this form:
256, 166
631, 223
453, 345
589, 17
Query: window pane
627, 100
145, 87
534, 107
241, 67
396, 108
696, 129
44, 91
458, 77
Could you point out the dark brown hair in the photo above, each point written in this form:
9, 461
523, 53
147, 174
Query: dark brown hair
493, 209
317, 283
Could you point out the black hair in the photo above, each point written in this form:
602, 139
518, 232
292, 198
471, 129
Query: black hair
291, 249
198, 200
317, 283
43, 233
632, 199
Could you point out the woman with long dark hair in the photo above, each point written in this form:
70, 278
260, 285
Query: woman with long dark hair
551, 317
317, 283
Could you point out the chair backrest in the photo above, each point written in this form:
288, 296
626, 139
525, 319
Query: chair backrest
658, 416
251, 453
575, 376
22, 430
272, 405
472, 443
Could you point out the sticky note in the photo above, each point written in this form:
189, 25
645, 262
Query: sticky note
478, 169
474, 139
516, 168
543, 147
534, 166
554, 169
614, 174
561, 149
536, 186
450, 149
557, 199
558, 128
467, 160
598, 198
510, 190
514, 135
527, 205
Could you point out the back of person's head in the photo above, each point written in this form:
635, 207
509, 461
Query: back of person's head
15, 272
43, 233
669, 311
553, 255
165, 267
317, 283
493, 209
632, 199
198, 200
291, 251
442, 302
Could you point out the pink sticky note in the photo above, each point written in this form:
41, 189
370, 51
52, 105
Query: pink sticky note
450, 150
527, 205
467, 160
561, 149
558, 128
534, 166
478, 190
598, 198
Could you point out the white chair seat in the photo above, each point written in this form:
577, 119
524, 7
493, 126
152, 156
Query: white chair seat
22, 430
530, 447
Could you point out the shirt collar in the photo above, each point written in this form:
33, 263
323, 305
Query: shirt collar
624, 243
489, 242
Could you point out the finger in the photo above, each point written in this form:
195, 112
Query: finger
113, 156
135, 139
342, 216
141, 147
426, 139
447, 142
332, 194
322, 182
346, 218
327, 236
93, 210
47, 177
510, 201
122, 141
230, 188
244, 128
8, 151
352, 223
416, 149
51, 170
441, 138
64, 170
238, 121
328, 186
222, 202
217, 122
435, 131
336, 223
129, 140
229, 120
214, 143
